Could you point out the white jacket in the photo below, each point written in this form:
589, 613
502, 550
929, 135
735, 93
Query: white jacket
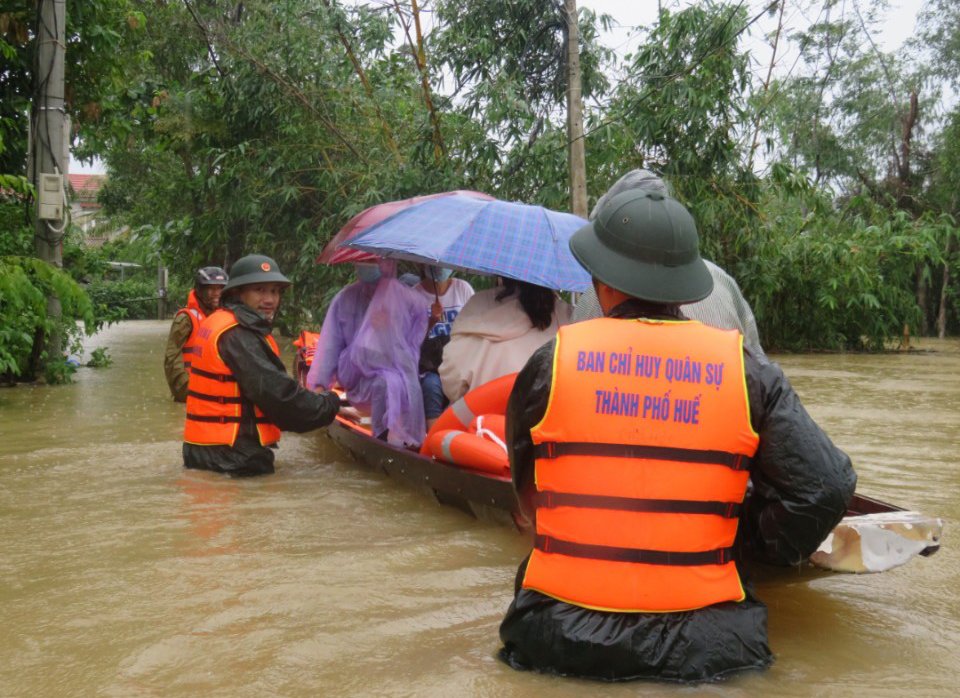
490, 339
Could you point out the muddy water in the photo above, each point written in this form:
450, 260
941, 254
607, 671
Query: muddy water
123, 575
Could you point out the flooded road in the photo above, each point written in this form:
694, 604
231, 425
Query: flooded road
121, 574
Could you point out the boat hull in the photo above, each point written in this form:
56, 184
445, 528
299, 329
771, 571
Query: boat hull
874, 536
487, 497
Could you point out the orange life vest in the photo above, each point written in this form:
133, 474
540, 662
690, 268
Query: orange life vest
641, 465
213, 396
196, 315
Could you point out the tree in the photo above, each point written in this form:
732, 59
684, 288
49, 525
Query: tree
508, 63
680, 110
93, 32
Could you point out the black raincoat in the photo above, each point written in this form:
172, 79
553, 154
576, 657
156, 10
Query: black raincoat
264, 382
800, 486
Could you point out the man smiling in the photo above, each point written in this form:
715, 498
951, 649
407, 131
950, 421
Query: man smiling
240, 397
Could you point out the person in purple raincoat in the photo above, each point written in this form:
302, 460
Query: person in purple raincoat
369, 345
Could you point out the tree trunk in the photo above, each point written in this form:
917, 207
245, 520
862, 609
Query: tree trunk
942, 310
922, 302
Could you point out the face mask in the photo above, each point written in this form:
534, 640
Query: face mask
439, 274
368, 273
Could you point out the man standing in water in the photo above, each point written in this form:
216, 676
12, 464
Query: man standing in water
240, 395
203, 299
633, 441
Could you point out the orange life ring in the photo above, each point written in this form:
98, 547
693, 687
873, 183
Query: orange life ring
487, 399
469, 450
491, 427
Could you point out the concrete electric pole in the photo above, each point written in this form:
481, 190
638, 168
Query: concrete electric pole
576, 154
49, 165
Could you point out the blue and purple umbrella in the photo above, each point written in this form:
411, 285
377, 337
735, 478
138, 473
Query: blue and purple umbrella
521, 241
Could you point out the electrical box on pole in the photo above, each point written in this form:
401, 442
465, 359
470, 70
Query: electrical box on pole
50, 195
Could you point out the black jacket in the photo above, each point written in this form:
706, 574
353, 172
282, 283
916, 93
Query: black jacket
263, 382
801, 484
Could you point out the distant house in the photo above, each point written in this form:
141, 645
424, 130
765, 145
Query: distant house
84, 207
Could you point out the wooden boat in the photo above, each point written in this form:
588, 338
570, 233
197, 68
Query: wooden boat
874, 536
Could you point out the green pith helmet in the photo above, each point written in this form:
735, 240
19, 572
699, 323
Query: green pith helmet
645, 244
255, 269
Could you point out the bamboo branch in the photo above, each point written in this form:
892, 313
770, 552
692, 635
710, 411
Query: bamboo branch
295, 93
419, 57
358, 68
206, 38
766, 85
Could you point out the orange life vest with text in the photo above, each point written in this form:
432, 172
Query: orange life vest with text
213, 396
641, 464
197, 316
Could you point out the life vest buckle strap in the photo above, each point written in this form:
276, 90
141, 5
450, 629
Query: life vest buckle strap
212, 419
550, 499
551, 449
223, 378
219, 399
556, 546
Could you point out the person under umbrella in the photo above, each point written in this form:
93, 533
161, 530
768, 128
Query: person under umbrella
443, 296
369, 345
497, 331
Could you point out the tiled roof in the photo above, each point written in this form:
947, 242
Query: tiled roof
86, 186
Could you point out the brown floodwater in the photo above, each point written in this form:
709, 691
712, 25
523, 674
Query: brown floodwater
121, 574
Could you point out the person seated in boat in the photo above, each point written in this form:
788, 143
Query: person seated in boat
443, 296
631, 439
497, 331
202, 300
340, 324
239, 396
725, 307
378, 367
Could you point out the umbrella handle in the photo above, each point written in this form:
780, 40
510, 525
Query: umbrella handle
433, 278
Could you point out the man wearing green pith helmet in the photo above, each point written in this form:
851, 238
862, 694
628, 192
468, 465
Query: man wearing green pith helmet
240, 396
642, 446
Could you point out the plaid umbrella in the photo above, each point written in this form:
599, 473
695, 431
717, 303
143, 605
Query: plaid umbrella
523, 242
333, 253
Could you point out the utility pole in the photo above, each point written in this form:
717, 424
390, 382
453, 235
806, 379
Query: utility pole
47, 148
161, 291
576, 156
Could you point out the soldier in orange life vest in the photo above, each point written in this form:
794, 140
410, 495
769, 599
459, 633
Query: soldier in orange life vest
240, 396
634, 440
203, 299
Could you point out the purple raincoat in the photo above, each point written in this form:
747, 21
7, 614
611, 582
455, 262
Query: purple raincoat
340, 326
379, 368
374, 357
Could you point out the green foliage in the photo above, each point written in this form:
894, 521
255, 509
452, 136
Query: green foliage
131, 299
25, 284
59, 371
100, 358
819, 282
260, 126
95, 30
